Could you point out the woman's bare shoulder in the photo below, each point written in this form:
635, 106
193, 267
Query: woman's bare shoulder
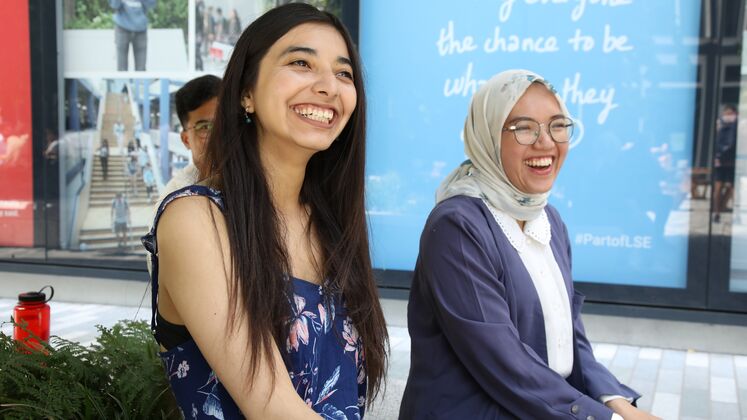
195, 212
192, 230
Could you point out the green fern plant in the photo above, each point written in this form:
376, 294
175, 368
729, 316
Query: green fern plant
118, 377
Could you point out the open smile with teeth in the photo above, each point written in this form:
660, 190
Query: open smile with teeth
539, 163
315, 113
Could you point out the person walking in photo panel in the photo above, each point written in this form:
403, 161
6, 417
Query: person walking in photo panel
142, 158
220, 25
118, 129
131, 170
149, 180
120, 217
199, 32
233, 27
208, 27
104, 158
493, 316
131, 28
264, 300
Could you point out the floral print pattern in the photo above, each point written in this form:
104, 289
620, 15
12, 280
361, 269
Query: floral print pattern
316, 331
323, 351
181, 371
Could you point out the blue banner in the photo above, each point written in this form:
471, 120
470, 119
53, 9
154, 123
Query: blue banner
627, 70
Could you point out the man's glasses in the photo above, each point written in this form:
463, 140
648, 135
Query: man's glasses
202, 128
527, 131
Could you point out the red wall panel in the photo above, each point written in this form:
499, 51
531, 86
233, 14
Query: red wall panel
16, 175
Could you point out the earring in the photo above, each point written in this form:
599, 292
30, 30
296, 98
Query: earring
247, 118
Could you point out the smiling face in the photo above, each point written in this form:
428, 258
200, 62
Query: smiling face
304, 94
532, 169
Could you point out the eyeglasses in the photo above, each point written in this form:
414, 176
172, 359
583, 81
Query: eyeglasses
202, 128
527, 131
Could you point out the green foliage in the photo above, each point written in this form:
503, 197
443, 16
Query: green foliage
97, 14
88, 14
169, 14
119, 377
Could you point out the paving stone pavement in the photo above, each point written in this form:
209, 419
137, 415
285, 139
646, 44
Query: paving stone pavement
675, 384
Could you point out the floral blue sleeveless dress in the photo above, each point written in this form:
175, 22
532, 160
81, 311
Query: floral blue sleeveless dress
323, 352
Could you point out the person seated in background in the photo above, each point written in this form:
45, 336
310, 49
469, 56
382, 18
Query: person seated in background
195, 106
493, 317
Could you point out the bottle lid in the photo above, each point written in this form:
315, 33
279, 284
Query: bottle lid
36, 297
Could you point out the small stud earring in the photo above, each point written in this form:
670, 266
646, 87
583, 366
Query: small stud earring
247, 118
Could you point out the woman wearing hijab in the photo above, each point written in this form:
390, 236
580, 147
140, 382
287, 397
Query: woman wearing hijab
493, 316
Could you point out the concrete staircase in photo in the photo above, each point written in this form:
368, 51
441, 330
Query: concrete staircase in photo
117, 109
104, 191
97, 233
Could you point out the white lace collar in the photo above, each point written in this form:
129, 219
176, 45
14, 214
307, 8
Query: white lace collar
537, 229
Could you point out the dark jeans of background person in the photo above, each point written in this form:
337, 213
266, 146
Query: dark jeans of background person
105, 166
139, 40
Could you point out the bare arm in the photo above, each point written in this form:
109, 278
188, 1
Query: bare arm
192, 257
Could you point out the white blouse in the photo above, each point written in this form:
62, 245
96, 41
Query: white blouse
533, 246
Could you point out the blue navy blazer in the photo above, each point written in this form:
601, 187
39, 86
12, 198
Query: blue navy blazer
477, 330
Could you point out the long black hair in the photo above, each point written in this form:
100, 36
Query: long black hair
332, 189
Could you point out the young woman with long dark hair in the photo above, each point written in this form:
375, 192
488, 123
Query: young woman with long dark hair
264, 299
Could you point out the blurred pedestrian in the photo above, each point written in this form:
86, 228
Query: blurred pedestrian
120, 217
233, 27
104, 157
131, 170
199, 32
724, 157
150, 181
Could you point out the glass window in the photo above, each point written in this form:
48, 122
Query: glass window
628, 72
730, 189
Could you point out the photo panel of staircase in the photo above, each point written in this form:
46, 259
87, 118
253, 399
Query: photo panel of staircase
120, 148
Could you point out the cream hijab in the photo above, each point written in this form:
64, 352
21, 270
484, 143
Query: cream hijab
482, 175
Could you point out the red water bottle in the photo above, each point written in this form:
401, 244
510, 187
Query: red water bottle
33, 311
